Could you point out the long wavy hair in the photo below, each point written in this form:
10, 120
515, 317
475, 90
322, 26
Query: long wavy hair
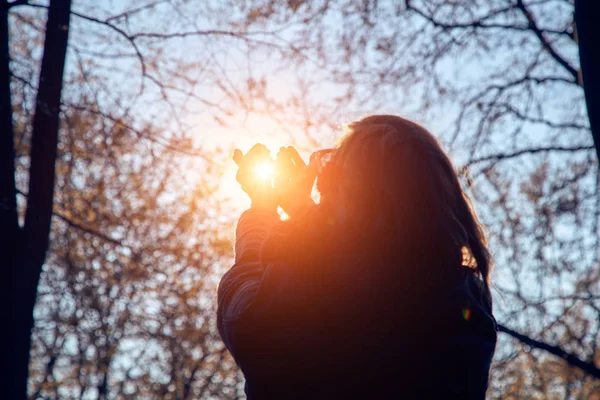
391, 202
392, 181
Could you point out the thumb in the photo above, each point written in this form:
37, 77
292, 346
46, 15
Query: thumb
238, 157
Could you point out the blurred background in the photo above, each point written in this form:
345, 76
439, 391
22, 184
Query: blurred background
157, 94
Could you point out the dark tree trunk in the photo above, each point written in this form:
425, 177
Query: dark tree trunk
30, 243
9, 225
587, 18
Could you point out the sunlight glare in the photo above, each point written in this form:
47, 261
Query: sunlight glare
264, 171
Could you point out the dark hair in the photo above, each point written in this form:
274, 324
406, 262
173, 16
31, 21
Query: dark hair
393, 178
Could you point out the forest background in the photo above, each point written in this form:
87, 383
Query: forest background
119, 196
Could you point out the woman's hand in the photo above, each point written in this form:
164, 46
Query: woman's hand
293, 181
260, 189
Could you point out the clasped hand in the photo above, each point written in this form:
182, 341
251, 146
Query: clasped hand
290, 185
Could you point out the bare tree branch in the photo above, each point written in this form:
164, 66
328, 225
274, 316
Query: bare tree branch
505, 156
571, 359
540, 35
16, 3
9, 225
587, 29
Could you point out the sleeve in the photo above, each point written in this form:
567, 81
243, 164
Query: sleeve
264, 309
240, 284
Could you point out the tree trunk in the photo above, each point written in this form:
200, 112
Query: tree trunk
33, 239
9, 225
587, 16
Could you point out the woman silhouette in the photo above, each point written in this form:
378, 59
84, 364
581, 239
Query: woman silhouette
381, 290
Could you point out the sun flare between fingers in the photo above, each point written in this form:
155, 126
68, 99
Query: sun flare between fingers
264, 171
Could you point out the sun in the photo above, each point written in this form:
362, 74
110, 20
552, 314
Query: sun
264, 171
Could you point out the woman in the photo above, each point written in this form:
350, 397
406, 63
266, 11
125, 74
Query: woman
379, 291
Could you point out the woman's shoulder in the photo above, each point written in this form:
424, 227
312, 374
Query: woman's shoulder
305, 236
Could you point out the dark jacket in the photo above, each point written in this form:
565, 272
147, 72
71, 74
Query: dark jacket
309, 317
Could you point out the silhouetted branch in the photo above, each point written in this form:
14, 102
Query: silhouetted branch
77, 225
571, 359
86, 229
586, 16
16, 3
159, 141
8, 206
496, 94
477, 23
506, 107
504, 156
131, 38
540, 35
132, 11
482, 22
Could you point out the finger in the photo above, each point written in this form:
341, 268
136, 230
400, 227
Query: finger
296, 157
257, 152
309, 174
283, 157
284, 163
279, 160
238, 157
